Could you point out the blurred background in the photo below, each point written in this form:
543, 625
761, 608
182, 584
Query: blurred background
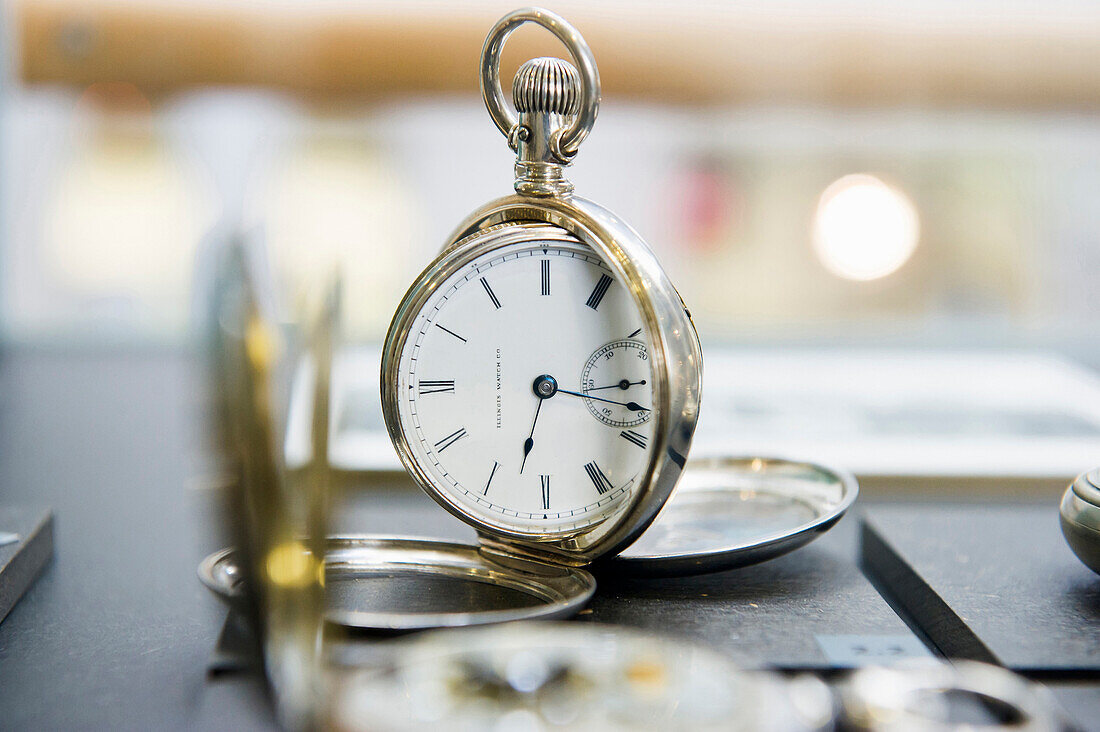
814, 175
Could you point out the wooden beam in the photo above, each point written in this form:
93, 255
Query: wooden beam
735, 56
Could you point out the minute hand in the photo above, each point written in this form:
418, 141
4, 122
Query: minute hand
632, 406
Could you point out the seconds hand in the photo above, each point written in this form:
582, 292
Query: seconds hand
624, 385
632, 406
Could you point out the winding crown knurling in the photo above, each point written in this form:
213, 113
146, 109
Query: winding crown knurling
548, 85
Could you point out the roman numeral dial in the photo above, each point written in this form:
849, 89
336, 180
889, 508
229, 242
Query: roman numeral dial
505, 361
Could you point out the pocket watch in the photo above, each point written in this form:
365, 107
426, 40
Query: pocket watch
541, 378
541, 381
550, 676
936, 696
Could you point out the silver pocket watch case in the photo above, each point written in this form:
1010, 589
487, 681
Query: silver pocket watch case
726, 513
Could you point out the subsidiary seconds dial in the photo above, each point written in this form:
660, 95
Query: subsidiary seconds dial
613, 376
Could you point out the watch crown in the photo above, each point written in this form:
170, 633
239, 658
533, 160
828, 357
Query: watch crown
548, 85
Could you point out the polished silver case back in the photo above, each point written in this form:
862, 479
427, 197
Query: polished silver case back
733, 512
675, 364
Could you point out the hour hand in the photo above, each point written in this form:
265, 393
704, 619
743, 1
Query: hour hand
530, 441
527, 445
545, 386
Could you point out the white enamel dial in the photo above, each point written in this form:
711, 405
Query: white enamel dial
491, 393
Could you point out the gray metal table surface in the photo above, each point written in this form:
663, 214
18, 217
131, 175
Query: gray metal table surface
810, 610
992, 583
118, 633
996, 584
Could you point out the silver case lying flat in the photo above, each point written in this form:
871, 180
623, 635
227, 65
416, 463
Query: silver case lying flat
733, 512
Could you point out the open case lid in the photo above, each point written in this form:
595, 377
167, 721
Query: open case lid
279, 510
393, 583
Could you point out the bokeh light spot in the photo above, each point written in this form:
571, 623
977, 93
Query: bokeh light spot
864, 229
